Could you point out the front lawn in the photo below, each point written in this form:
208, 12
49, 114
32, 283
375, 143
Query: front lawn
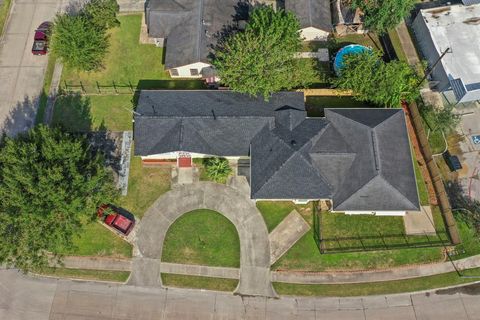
78, 113
145, 185
274, 212
377, 288
96, 240
183, 281
127, 63
343, 232
202, 237
305, 255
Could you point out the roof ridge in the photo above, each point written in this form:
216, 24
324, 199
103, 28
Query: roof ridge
288, 159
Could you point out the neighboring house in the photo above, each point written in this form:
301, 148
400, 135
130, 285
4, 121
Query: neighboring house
345, 19
315, 18
455, 29
189, 30
359, 159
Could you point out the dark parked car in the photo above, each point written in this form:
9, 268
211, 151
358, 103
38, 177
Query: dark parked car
123, 223
452, 161
40, 39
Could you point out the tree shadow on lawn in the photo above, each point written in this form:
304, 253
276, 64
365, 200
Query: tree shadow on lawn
72, 113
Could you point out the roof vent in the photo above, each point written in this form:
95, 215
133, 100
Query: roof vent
293, 143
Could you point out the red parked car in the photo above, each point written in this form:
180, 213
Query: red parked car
120, 222
40, 39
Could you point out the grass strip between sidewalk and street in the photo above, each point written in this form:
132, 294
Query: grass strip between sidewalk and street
195, 282
375, 288
87, 274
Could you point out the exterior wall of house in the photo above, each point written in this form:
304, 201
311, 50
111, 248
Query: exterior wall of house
314, 34
175, 155
185, 71
377, 213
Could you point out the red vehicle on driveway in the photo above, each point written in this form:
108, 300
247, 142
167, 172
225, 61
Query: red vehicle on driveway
40, 39
111, 216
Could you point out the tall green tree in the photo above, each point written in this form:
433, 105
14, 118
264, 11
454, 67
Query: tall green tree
260, 60
440, 119
381, 15
51, 183
372, 79
78, 42
102, 13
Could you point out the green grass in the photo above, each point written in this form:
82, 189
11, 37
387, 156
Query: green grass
274, 212
96, 240
90, 113
370, 40
342, 231
128, 62
421, 186
203, 237
315, 105
182, 281
145, 185
397, 46
4, 10
305, 256
47, 82
376, 288
87, 274
470, 241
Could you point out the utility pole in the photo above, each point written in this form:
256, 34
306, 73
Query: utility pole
430, 70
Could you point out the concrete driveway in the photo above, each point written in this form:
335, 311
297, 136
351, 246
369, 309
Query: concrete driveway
234, 205
21, 73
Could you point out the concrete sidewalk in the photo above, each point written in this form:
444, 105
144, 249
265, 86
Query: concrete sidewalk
400, 273
197, 270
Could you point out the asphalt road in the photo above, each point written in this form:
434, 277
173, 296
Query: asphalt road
21, 73
25, 297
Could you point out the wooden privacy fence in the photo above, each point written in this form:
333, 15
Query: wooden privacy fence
413, 116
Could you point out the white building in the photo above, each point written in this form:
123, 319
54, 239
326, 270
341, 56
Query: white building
456, 31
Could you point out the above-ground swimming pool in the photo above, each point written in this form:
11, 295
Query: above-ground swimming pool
350, 49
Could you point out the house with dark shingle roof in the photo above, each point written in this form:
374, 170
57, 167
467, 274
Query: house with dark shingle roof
315, 18
359, 159
190, 29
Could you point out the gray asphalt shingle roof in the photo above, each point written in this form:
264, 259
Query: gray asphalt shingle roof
360, 158
190, 26
312, 13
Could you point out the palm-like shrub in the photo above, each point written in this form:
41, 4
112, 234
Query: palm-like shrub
217, 169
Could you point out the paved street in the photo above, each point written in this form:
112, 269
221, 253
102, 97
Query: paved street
24, 297
21, 73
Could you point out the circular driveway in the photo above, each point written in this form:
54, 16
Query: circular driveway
239, 209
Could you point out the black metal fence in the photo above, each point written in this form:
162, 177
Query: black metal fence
100, 89
374, 241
